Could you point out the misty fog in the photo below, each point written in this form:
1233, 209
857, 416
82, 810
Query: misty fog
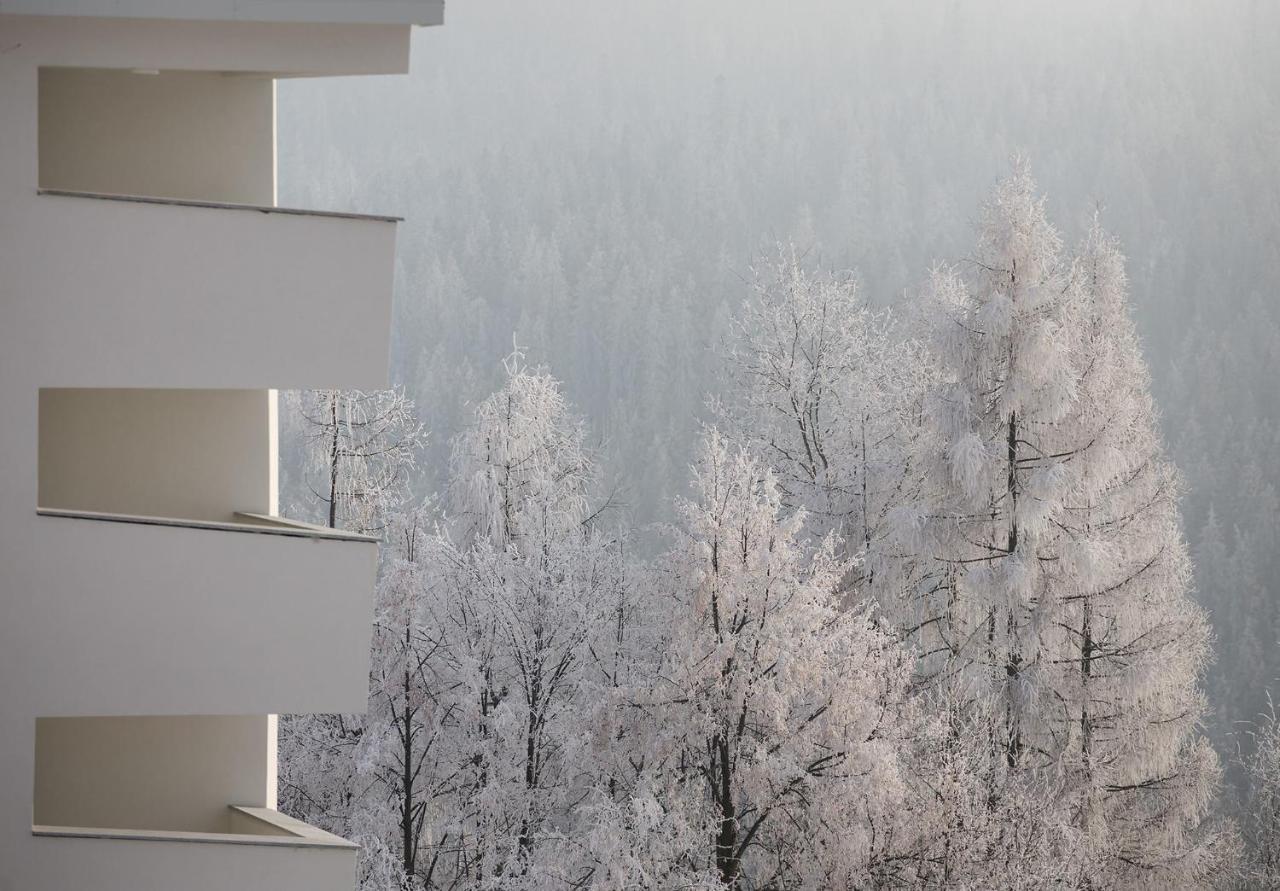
593, 182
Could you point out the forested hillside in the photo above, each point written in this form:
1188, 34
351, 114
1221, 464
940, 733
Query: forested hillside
595, 182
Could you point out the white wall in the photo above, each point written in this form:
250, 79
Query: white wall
81, 864
175, 773
114, 619
190, 454
199, 135
132, 619
128, 294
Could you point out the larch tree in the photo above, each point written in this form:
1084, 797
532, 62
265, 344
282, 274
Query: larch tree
1008, 379
1127, 646
1055, 530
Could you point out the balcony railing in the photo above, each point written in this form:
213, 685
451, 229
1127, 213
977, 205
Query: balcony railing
150, 292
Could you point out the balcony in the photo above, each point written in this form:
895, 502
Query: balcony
145, 615
137, 292
137, 793
263, 851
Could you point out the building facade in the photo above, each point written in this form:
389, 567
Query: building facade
156, 612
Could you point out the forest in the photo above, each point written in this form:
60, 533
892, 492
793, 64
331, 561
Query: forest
711, 564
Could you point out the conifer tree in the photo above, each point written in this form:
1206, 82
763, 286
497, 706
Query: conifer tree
1055, 524
1127, 628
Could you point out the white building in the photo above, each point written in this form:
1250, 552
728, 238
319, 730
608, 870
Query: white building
155, 612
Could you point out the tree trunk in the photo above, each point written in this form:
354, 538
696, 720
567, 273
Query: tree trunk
408, 839
333, 463
1014, 663
727, 838
1086, 671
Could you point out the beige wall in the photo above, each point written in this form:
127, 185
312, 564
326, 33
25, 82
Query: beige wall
175, 773
187, 454
196, 135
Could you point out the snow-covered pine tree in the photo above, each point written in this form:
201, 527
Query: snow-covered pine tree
1054, 523
1126, 630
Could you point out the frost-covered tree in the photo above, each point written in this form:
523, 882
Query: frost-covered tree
775, 716
517, 630
829, 393
1055, 528
1126, 630
496, 634
521, 469
1261, 827
522, 608
379, 777
404, 752
361, 448
319, 777
1002, 343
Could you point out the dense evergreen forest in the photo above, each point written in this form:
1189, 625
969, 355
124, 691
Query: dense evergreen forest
595, 182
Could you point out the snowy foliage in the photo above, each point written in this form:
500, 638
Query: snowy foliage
829, 394
1262, 823
775, 714
521, 470
361, 448
924, 620
1060, 560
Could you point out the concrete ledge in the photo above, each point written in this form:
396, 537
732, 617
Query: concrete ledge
260, 524
279, 831
70, 857
220, 205
371, 12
